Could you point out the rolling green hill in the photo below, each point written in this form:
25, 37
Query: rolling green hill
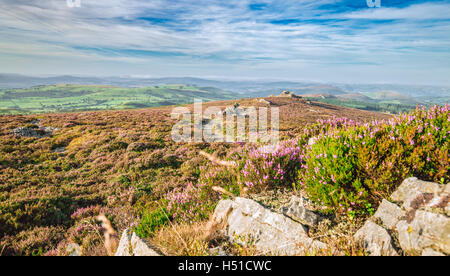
69, 97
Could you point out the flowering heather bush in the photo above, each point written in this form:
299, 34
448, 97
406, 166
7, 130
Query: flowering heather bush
188, 203
195, 201
353, 166
266, 166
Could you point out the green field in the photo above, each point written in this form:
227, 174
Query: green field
68, 97
392, 106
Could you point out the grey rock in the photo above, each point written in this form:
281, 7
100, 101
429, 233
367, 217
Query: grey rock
217, 251
296, 211
33, 132
426, 230
247, 221
263, 101
141, 247
411, 188
288, 94
133, 245
74, 250
389, 214
124, 248
376, 240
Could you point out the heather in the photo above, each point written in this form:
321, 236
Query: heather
125, 165
343, 166
352, 166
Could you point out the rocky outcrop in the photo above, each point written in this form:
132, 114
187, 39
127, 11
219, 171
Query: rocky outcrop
133, 245
287, 94
246, 221
263, 101
40, 132
418, 219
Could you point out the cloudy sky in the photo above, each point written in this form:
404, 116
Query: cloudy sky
317, 40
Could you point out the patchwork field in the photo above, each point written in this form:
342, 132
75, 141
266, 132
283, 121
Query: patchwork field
65, 98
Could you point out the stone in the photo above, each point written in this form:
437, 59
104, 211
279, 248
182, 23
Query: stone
264, 102
411, 188
247, 221
288, 94
426, 229
141, 247
124, 248
74, 250
376, 240
296, 211
389, 214
431, 252
39, 132
133, 245
217, 251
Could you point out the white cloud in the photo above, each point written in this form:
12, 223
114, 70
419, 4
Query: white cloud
225, 38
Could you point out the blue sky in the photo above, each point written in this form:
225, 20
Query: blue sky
320, 40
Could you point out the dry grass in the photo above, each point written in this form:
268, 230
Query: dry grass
183, 239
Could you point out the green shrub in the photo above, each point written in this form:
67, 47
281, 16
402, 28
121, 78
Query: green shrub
350, 169
152, 221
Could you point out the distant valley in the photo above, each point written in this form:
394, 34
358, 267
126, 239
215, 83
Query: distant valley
25, 94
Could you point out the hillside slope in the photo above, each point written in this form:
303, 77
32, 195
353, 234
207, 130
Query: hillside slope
115, 162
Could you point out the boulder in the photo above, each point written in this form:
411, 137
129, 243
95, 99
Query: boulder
288, 94
418, 219
31, 132
296, 211
141, 248
376, 240
408, 192
124, 248
246, 221
263, 101
133, 245
389, 214
426, 230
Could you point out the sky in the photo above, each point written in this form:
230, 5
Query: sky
299, 40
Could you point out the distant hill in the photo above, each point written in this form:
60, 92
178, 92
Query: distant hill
319, 89
399, 94
73, 97
392, 96
354, 96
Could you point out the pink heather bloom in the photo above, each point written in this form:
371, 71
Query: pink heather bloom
332, 178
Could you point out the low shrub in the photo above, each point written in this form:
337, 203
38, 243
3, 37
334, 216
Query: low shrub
152, 221
271, 166
190, 203
351, 167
